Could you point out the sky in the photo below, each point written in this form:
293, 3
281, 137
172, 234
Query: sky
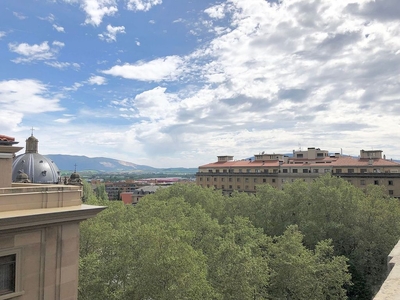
174, 83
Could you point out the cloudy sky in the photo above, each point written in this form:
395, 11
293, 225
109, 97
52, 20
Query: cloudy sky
177, 82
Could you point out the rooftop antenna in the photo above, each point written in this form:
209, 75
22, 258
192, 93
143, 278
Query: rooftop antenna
299, 146
75, 168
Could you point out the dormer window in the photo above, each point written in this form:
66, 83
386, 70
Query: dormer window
44, 173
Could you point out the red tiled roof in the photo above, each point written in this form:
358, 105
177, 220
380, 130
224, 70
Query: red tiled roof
351, 161
242, 163
6, 138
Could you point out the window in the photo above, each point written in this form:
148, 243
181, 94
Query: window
238, 180
246, 180
215, 186
338, 170
230, 179
217, 171
230, 187
294, 170
215, 178
390, 182
238, 187
362, 182
209, 171
299, 155
201, 179
240, 170
264, 180
376, 182
248, 170
246, 187
350, 170
315, 170
320, 154
363, 170
222, 179
273, 179
9, 274
265, 170
208, 179
224, 171
391, 192
305, 170
222, 186
255, 180
284, 170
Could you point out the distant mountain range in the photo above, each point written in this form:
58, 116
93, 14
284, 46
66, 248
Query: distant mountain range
104, 164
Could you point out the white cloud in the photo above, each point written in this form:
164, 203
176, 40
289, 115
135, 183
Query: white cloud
291, 73
62, 65
27, 96
216, 11
97, 9
49, 18
155, 104
58, 44
143, 5
65, 119
137, 43
98, 80
2, 34
34, 52
19, 15
180, 20
74, 87
167, 68
111, 34
58, 28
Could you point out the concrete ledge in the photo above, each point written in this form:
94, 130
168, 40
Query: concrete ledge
390, 289
12, 220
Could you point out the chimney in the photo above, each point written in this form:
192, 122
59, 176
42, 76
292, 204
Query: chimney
7, 153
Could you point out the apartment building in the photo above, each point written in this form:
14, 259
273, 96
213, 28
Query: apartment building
370, 167
39, 234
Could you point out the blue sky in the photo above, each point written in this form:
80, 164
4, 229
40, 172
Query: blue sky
175, 83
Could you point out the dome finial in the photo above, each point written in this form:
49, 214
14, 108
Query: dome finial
32, 129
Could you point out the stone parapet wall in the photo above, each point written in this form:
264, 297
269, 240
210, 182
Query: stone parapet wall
39, 197
390, 289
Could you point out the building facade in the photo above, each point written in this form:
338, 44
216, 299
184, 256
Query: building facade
39, 235
277, 169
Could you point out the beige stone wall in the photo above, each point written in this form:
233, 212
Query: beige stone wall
390, 289
49, 260
34, 196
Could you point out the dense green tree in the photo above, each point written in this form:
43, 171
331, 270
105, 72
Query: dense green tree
186, 242
363, 225
100, 191
300, 273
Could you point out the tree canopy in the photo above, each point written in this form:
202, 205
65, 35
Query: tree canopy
320, 240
